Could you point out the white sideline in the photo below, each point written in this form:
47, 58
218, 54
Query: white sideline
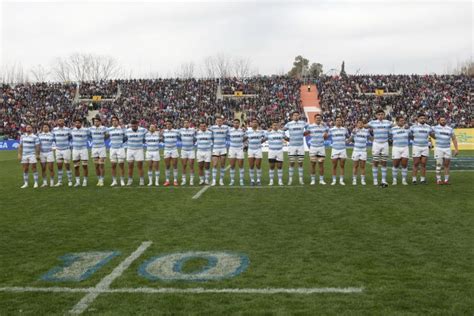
204, 189
105, 283
148, 290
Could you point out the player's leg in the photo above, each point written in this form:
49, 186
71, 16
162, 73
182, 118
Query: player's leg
300, 161
342, 163
141, 172
44, 169
150, 171
395, 168
355, 171
35, 174
207, 171
215, 160
25, 167
404, 165
167, 169
60, 166
258, 165
251, 170
383, 162
447, 166
114, 172
313, 161
85, 167
121, 165
67, 164
222, 159
156, 169
174, 162
77, 171
131, 166
191, 171
51, 173
232, 161
279, 165
416, 164
321, 169
334, 169
240, 163
271, 169
291, 168
201, 171
362, 171
184, 167
423, 161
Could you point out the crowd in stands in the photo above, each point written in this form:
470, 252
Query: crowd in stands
353, 97
272, 98
107, 89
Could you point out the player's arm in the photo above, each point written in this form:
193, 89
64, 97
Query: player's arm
20, 149
37, 149
455, 143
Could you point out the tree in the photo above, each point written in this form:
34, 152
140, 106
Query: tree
185, 71
86, 67
40, 73
242, 67
300, 67
13, 73
315, 70
467, 68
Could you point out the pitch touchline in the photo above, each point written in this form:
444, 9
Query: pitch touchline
148, 290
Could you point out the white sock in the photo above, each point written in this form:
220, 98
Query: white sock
167, 174
150, 176
290, 172
280, 174
175, 174
25, 177
259, 174
251, 175
404, 173
60, 175
384, 174
375, 173
232, 174
270, 174
241, 174
214, 174
300, 172
222, 175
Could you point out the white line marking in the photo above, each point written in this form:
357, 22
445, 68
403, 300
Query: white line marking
205, 188
105, 283
158, 188
199, 290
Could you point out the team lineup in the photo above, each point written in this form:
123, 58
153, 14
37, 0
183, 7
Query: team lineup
213, 146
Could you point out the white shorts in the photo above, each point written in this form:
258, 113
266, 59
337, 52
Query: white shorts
80, 154
117, 155
153, 155
188, 154
359, 155
236, 153
28, 159
338, 154
204, 156
420, 151
219, 152
442, 153
99, 152
170, 153
254, 153
135, 155
63, 155
275, 154
400, 152
379, 149
317, 151
47, 157
295, 151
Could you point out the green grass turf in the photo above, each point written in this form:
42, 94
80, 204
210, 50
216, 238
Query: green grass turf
410, 248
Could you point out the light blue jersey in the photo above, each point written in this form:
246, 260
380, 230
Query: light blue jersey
170, 138
62, 137
317, 134
29, 143
46, 142
255, 138
152, 141
420, 134
360, 137
220, 134
338, 136
135, 139
117, 137
400, 136
80, 137
98, 136
381, 130
236, 138
275, 140
443, 135
204, 140
188, 136
296, 130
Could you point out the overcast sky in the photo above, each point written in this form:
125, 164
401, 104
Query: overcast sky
156, 37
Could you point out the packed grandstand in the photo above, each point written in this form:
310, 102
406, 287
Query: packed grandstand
153, 101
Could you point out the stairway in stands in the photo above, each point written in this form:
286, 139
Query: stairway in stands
310, 101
